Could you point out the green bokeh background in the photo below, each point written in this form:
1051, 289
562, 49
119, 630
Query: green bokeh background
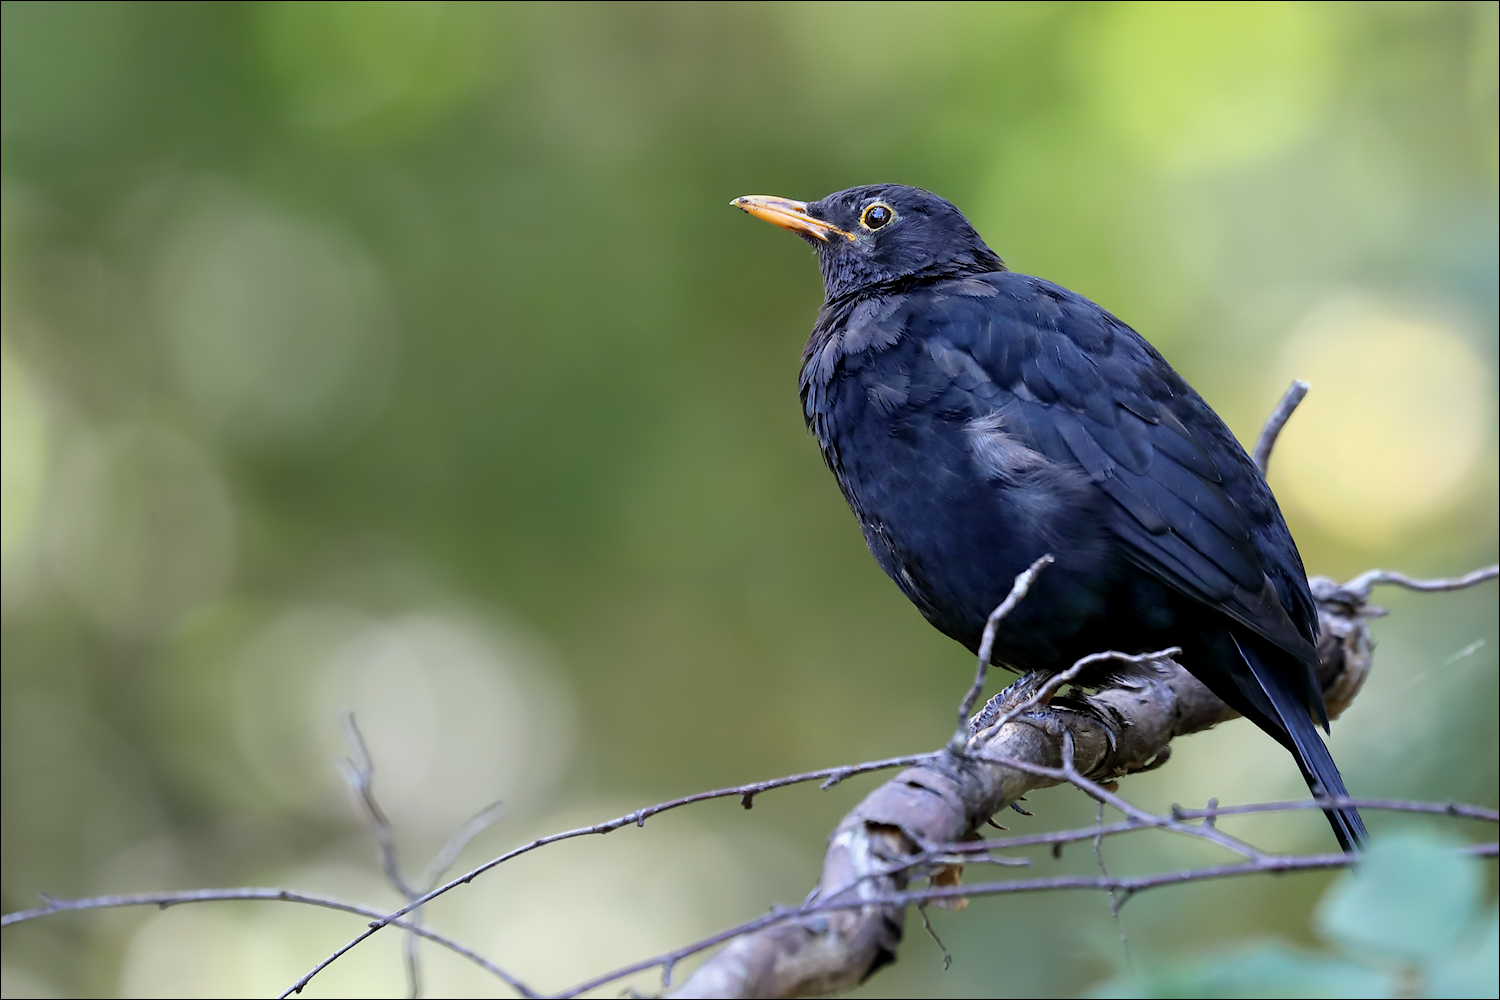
408, 357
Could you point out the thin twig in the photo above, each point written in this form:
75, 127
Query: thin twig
987, 645
166, 899
358, 770
1115, 899
745, 793
1360, 585
1458, 809
1056, 838
1275, 422
1069, 774
1053, 838
927, 926
444, 859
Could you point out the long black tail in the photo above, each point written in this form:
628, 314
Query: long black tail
1318, 769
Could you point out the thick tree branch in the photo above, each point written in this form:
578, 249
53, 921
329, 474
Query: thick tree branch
1025, 739
955, 895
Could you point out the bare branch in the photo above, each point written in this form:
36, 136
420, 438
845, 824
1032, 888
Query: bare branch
745, 793
1361, 585
1129, 886
1058, 838
358, 770
166, 899
971, 852
1458, 810
1070, 774
1115, 899
1275, 422
942, 801
1022, 741
1269, 864
444, 859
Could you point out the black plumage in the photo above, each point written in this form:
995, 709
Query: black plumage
976, 419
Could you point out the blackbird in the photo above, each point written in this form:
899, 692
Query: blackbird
976, 419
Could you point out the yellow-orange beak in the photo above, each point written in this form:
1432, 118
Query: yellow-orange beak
788, 214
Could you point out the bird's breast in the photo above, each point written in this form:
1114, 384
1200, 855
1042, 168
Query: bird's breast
951, 504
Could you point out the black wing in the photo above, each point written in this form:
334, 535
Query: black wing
1189, 503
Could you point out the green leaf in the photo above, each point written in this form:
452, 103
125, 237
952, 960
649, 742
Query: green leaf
1472, 971
1266, 970
1409, 900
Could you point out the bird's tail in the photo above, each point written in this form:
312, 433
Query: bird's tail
1318, 769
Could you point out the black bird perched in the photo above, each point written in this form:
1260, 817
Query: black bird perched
977, 419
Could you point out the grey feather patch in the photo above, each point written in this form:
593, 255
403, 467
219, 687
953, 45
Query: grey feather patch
889, 394
975, 289
826, 363
957, 365
872, 324
998, 455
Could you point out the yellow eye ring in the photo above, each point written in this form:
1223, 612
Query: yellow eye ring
877, 214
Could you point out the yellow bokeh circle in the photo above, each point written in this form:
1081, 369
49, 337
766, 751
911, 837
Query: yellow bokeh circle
1397, 418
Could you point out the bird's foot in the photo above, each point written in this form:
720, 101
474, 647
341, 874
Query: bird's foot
1007, 700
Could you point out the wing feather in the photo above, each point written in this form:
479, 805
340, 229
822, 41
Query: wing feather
1188, 503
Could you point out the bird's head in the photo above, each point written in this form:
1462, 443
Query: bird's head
879, 234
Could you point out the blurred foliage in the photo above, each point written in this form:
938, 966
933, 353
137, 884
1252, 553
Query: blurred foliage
1408, 919
408, 357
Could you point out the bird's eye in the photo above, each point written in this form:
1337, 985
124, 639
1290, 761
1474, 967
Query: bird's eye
877, 215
